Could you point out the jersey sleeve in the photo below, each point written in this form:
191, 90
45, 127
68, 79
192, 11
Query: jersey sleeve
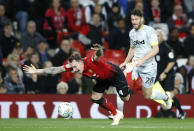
152, 37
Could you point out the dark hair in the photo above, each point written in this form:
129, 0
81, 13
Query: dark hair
7, 23
116, 5
76, 57
95, 14
120, 19
137, 12
51, 5
10, 68
172, 29
34, 53
65, 38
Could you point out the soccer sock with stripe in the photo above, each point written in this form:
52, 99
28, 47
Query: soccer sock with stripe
104, 103
158, 95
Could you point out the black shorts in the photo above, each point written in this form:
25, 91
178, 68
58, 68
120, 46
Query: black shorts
168, 83
118, 81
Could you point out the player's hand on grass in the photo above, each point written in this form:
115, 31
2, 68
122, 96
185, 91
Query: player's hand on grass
30, 69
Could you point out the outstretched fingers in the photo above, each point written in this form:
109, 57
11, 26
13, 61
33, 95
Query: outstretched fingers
33, 66
26, 67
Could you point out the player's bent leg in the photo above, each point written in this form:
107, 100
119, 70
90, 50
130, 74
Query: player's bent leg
120, 104
147, 92
158, 94
126, 98
103, 102
96, 95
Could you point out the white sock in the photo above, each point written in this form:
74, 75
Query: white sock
120, 103
157, 95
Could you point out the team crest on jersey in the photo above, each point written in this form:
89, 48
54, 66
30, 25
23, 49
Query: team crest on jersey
90, 71
67, 66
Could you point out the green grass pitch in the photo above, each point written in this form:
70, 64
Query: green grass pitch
152, 124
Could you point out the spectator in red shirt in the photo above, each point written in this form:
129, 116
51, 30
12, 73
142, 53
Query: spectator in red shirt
76, 17
179, 21
55, 21
156, 12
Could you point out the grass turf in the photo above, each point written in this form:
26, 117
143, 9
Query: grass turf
132, 124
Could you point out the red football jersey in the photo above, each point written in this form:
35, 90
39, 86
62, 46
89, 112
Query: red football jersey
96, 69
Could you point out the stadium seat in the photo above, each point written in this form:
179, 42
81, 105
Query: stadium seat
113, 60
90, 53
61, 35
78, 45
115, 54
106, 46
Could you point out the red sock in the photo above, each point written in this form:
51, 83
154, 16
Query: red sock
108, 105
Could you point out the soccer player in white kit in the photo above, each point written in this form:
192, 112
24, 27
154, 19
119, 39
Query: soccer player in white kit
143, 48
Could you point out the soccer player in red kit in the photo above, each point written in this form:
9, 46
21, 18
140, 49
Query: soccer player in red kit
105, 74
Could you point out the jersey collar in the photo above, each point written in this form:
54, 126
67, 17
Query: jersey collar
142, 26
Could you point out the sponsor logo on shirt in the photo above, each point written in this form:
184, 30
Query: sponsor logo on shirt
90, 71
137, 42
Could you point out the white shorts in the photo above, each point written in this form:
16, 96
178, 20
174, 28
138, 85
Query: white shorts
147, 73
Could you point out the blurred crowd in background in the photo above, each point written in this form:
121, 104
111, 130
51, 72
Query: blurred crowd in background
46, 32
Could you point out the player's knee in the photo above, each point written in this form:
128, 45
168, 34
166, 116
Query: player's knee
147, 95
126, 99
96, 96
99, 101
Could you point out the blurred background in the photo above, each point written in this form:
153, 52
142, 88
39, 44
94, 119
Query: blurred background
46, 32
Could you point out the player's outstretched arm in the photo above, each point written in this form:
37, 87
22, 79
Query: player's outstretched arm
52, 70
99, 51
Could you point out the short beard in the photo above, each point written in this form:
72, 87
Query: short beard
138, 27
